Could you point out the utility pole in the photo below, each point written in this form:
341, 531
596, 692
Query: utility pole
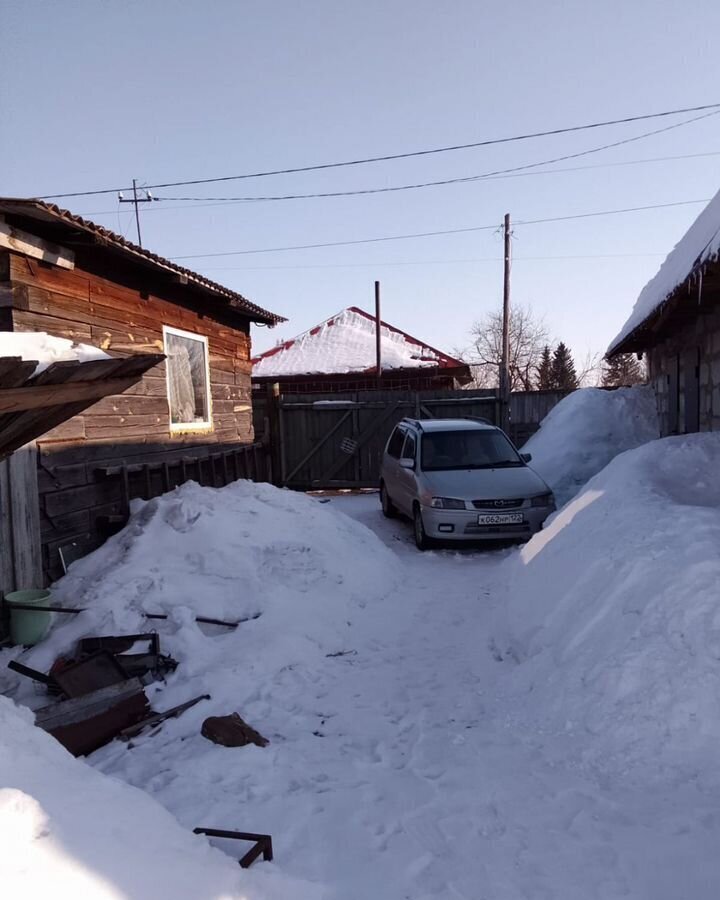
148, 198
378, 325
505, 360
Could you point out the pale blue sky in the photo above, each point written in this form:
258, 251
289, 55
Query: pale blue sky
96, 93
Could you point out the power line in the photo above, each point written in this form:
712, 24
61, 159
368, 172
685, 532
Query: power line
606, 165
446, 181
421, 234
394, 156
429, 262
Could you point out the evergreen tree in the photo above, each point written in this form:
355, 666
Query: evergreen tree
544, 370
623, 370
564, 377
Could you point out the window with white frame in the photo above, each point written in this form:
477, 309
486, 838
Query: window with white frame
188, 379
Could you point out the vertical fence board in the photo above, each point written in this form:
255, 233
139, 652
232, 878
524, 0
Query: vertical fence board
25, 518
7, 568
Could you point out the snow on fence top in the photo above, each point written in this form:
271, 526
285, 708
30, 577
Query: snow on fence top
346, 343
46, 349
700, 244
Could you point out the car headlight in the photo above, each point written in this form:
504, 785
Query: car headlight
543, 500
447, 503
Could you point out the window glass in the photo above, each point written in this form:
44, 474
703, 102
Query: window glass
187, 376
442, 450
410, 446
396, 442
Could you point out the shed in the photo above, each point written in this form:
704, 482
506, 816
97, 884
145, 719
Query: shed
339, 355
676, 324
188, 415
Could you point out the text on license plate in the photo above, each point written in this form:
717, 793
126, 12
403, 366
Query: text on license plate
500, 519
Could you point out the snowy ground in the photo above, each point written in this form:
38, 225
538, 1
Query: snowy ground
418, 746
403, 769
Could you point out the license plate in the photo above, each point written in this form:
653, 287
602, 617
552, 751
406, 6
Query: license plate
501, 519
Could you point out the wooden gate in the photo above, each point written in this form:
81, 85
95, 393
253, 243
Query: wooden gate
336, 441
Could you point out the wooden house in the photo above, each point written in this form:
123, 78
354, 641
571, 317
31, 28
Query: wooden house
189, 416
340, 355
676, 324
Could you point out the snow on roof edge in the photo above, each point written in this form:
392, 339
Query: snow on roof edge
699, 244
303, 355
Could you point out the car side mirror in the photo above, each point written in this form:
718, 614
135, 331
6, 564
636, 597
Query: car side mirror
526, 457
407, 463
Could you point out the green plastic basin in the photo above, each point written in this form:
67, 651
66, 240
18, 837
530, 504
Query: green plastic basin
28, 628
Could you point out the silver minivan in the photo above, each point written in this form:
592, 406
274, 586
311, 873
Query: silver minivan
461, 480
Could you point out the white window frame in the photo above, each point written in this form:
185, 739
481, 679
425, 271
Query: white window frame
176, 427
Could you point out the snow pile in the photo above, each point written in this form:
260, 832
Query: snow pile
346, 343
46, 349
614, 614
586, 430
228, 554
68, 831
700, 244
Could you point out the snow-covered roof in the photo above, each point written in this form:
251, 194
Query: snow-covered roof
700, 245
46, 348
345, 343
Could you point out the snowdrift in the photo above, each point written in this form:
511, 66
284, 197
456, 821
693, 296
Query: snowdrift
68, 831
586, 430
613, 613
228, 554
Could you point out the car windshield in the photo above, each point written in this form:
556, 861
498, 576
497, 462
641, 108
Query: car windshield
471, 449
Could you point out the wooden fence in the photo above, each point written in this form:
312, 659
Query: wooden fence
20, 550
324, 441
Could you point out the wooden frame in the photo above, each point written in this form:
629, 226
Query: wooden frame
184, 427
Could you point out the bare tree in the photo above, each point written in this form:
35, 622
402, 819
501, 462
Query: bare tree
528, 337
589, 371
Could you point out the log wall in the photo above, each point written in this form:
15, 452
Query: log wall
79, 503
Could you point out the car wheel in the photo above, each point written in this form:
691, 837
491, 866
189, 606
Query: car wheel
388, 507
422, 541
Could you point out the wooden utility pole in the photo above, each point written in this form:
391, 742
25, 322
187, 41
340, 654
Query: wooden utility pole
148, 198
505, 359
378, 326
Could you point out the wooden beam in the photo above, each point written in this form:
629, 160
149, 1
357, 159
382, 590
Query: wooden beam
12, 238
40, 396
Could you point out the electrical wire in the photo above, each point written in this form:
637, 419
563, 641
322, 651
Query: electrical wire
395, 156
421, 234
446, 181
429, 262
605, 165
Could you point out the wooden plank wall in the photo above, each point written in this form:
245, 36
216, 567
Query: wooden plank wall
78, 503
84, 307
20, 541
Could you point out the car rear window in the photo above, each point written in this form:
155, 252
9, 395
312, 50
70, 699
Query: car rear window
396, 442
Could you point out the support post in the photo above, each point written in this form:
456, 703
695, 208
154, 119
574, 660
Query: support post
505, 359
378, 325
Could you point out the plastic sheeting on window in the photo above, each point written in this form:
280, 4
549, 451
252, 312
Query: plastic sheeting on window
186, 372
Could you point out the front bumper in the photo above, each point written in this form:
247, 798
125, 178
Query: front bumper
462, 524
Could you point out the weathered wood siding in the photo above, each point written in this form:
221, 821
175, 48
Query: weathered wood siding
685, 371
78, 502
20, 549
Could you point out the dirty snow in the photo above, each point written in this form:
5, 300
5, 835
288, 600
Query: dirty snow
46, 348
424, 743
68, 831
699, 244
586, 430
345, 343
